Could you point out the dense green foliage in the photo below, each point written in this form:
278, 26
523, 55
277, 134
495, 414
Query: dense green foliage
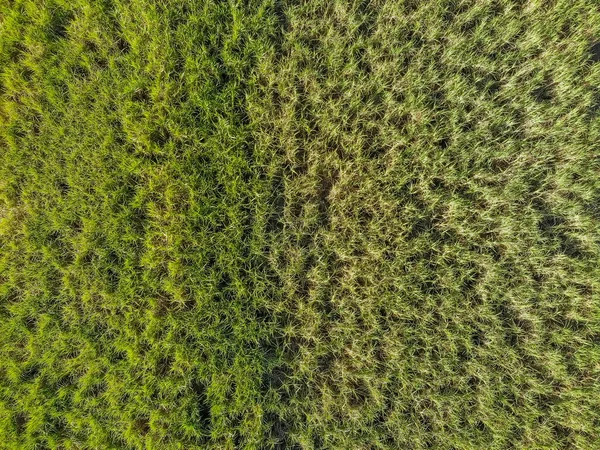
324, 224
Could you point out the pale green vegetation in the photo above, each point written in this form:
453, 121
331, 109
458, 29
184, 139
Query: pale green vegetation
277, 224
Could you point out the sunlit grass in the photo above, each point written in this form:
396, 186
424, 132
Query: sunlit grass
299, 225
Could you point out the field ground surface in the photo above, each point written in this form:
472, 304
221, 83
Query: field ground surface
277, 224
